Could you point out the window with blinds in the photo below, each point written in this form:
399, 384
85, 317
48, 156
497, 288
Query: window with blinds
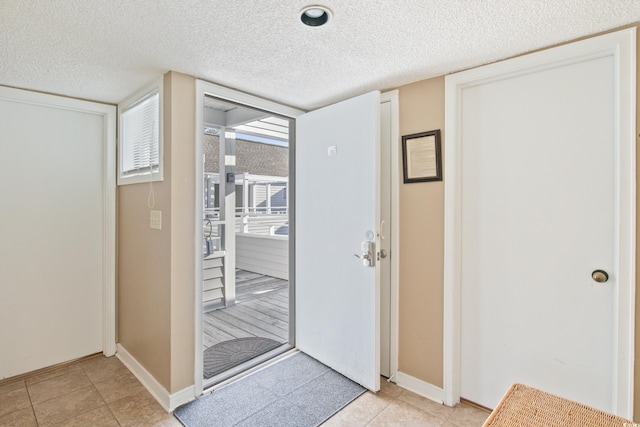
140, 139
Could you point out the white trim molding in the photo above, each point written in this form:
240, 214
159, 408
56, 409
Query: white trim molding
420, 387
169, 402
109, 233
394, 99
621, 46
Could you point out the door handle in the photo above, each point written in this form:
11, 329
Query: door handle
367, 249
366, 259
599, 276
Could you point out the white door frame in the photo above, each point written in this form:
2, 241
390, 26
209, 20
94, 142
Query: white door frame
393, 98
108, 115
620, 45
204, 88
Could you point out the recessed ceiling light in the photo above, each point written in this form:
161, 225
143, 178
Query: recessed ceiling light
315, 16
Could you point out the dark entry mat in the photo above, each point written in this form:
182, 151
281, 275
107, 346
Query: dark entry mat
227, 354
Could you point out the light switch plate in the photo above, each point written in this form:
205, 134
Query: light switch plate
156, 220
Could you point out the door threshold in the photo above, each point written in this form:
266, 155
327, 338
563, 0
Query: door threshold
47, 369
475, 405
249, 367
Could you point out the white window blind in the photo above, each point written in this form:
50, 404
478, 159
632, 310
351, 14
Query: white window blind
140, 138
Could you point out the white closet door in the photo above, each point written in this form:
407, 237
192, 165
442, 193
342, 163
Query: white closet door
538, 217
52, 223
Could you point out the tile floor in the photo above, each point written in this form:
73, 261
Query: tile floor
96, 392
102, 392
394, 406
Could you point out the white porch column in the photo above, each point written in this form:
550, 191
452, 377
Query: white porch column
227, 181
269, 198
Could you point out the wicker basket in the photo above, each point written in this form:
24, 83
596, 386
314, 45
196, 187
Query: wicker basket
524, 406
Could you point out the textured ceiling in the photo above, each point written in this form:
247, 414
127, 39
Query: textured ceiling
106, 49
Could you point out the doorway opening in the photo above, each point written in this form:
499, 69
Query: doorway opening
225, 109
246, 303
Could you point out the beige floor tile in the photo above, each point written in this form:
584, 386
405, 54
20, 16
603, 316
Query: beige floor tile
52, 374
118, 387
437, 409
360, 411
467, 416
102, 368
168, 421
101, 417
22, 418
62, 408
58, 386
139, 409
15, 385
11, 401
399, 413
389, 389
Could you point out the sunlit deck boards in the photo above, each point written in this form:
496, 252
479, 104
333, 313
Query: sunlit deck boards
261, 310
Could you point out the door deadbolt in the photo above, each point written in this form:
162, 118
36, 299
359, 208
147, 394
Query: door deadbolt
600, 276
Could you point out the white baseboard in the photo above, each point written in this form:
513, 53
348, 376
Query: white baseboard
168, 401
420, 387
181, 397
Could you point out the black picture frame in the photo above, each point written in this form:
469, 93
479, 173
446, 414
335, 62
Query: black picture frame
422, 157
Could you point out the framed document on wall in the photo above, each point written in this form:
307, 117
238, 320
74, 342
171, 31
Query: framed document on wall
422, 157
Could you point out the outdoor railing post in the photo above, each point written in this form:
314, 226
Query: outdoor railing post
245, 223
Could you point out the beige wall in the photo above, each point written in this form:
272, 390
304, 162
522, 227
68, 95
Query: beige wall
156, 267
144, 276
181, 95
421, 291
421, 245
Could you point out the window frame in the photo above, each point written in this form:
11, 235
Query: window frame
124, 106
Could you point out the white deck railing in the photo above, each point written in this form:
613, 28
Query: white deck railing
262, 222
258, 221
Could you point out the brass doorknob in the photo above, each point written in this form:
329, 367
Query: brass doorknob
600, 276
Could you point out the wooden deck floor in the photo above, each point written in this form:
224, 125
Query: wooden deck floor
261, 310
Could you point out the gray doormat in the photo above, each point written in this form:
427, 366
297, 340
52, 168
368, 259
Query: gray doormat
298, 391
227, 354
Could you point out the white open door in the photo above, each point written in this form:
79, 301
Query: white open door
337, 210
